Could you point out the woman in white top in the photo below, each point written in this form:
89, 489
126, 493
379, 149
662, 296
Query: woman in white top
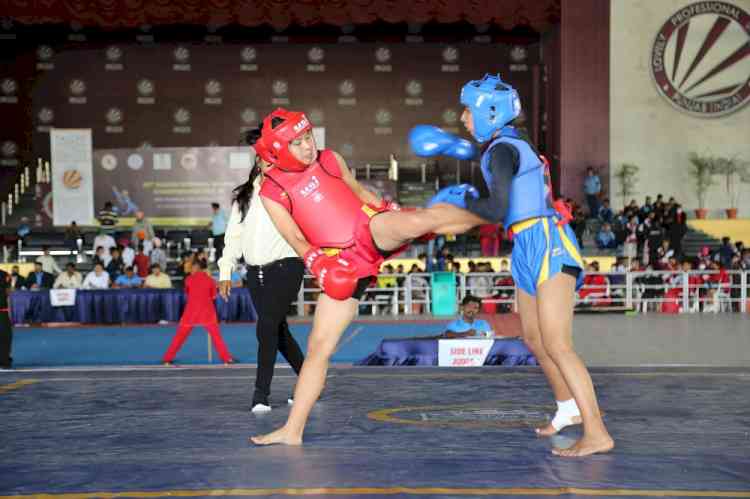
274, 277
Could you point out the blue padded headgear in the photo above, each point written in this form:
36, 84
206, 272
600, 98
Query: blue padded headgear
493, 104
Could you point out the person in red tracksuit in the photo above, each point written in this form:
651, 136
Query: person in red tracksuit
200, 310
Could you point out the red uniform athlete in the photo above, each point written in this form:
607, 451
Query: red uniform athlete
343, 232
199, 311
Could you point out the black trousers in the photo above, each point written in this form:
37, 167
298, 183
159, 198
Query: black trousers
6, 339
219, 245
273, 288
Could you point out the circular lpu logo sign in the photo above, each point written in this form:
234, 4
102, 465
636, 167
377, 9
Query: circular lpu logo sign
699, 60
480, 416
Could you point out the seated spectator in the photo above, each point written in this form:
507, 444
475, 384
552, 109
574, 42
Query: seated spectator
70, 279
507, 289
102, 256
107, 216
663, 255
39, 279
97, 278
578, 224
400, 271
651, 285
606, 239
128, 253
105, 241
72, 235
725, 253
17, 281
719, 284
48, 262
128, 280
142, 263
617, 278
157, 279
116, 266
468, 326
647, 208
186, 265
480, 286
605, 212
594, 284
630, 247
385, 280
158, 255
420, 288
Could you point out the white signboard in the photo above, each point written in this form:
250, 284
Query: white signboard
72, 176
62, 297
463, 352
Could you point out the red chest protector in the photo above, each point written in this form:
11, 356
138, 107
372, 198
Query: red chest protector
323, 206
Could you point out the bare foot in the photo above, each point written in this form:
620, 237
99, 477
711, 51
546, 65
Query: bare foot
587, 446
281, 436
548, 430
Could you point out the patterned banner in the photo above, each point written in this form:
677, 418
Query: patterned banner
169, 183
366, 96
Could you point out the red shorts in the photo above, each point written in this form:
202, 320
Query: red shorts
364, 254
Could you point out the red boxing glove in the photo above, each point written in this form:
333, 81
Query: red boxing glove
336, 275
563, 209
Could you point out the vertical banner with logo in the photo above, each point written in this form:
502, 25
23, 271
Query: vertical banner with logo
72, 176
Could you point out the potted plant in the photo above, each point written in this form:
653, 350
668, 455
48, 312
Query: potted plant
627, 178
701, 171
734, 171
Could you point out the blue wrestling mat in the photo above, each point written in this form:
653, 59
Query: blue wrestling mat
378, 432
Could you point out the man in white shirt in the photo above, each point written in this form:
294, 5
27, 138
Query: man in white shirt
105, 241
158, 255
70, 279
48, 262
97, 279
128, 253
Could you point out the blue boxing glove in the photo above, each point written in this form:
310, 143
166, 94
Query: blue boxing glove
455, 195
428, 140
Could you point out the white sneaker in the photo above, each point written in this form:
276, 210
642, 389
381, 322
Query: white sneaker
260, 408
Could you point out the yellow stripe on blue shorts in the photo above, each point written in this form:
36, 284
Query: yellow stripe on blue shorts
540, 250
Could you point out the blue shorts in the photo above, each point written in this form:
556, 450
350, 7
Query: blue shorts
540, 250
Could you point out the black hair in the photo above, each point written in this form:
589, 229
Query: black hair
215, 205
202, 263
243, 193
471, 299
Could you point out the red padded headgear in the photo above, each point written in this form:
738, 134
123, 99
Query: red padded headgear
273, 145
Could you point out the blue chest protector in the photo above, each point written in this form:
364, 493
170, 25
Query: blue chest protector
530, 190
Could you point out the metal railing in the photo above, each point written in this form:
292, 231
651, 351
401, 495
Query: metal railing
663, 291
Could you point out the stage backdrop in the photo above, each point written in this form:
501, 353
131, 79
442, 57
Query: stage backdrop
367, 96
680, 83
